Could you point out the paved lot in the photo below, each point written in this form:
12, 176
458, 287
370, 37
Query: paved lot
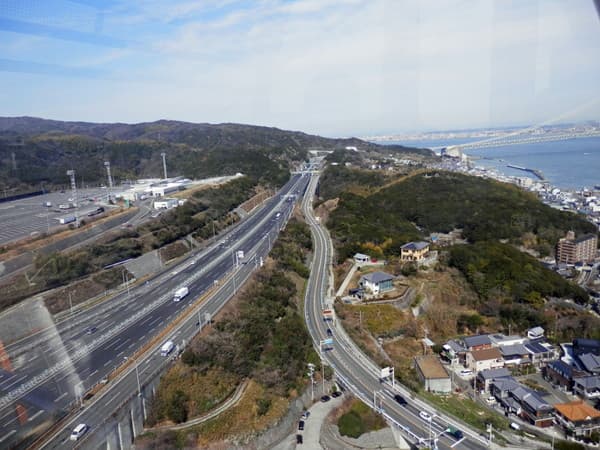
25, 217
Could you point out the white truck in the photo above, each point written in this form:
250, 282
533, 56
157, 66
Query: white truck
167, 348
66, 219
180, 293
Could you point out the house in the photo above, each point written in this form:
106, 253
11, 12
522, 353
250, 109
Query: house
361, 258
581, 346
500, 340
166, 203
488, 376
501, 387
454, 351
433, 374
589, 362
489, 358
515, 355
535, 333
377, 282
587, 386
560, 373
577, 418
478, 342
540, 353
414, 251
534, 409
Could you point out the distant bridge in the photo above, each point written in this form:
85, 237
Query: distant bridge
516, 139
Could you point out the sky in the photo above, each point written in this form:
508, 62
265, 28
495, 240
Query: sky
330, 67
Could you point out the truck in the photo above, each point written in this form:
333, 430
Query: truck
167, 348
66, 219
180, 293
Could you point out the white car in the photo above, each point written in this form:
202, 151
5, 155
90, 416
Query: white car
78, 431
425, 416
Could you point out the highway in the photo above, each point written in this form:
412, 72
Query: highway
356, 371
53, 367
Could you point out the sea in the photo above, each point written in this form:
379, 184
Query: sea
569, 164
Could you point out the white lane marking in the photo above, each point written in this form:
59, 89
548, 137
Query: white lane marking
57, 399
7, 435
40, 412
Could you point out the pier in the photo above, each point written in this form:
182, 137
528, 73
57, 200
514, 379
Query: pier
536, 172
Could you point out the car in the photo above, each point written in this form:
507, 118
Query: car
329, 332
299, 439
466, 373
91, 330
425, 416
305, 415
78, 431
325, 398
401, 400
336, 394
301, 425
515, 426
490, 400
455, 432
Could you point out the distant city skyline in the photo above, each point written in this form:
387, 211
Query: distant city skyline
329, 67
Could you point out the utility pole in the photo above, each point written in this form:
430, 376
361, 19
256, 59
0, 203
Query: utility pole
71, 174
110, 181
311, 371
164, 156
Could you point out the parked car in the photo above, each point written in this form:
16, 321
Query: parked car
301, 425
466, 373
325, 398
515, 426
299, 439
336, 394
305, 415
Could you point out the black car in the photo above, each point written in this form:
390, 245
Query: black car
299, 439
325, 398
91, 330
329, 332
301, 425
336, 394
401, 400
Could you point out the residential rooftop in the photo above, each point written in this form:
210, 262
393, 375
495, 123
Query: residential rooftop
577, 411
431, 367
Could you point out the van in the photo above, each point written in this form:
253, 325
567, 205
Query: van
78, 431
515, 426
167, 348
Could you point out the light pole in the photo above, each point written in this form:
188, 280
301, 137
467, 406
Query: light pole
311, 371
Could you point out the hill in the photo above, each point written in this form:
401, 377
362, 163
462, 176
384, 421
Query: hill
44, 149
437, 201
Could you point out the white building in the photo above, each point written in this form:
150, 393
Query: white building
166, 203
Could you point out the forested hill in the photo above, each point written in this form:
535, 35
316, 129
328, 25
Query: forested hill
44, 149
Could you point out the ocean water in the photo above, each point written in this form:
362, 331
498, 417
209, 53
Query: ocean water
569, 164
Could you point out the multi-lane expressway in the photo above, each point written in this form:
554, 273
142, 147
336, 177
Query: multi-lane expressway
53, 367
355, 370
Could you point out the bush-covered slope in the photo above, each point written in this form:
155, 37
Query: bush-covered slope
440, 202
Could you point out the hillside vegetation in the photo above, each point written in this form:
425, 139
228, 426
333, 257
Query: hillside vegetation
264, 340
45, 149
440, 202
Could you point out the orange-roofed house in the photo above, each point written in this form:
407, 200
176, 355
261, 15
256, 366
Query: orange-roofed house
577, 418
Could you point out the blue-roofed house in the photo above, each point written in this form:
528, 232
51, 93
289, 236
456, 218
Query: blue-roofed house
414, 251
377, 282
515, 354
589, 362
488, 376
478, 342
581, 346
541, 352
587, 386
562, 374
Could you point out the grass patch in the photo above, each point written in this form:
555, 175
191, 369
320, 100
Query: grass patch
468, 411
359, 420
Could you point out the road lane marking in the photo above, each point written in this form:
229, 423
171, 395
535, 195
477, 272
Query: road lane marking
57, 399
7, 435
37, 414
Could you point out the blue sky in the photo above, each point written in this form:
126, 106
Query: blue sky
333, 67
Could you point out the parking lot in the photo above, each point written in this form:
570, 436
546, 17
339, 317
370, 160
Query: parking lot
28, 217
